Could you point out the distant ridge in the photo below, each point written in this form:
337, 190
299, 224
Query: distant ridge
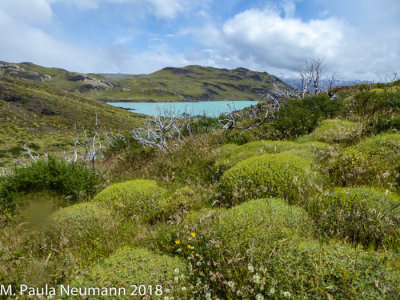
190, 83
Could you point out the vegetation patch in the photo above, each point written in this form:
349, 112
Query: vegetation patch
71, 180
336, 131
160, 274
137, 199
88, 230
229, 156
361, 215
374, 161
276, 259
282, 175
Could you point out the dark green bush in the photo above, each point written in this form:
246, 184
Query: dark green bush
281, 175
72, 180
370, 103
382, 122
361, 215
301, 116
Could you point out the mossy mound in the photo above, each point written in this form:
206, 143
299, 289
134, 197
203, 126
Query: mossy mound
362, 215
282, 175
84, 229
262, 247
138, 199
375, 161
130, 266
239, 153
335, 131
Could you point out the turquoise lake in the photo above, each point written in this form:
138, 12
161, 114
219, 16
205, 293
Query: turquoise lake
210, 108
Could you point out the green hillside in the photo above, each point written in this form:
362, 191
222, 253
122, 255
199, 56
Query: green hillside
191, 83
35, 113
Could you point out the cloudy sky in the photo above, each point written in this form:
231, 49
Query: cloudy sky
358, 39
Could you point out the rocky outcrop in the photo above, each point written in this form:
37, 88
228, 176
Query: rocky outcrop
90, 82
18, 71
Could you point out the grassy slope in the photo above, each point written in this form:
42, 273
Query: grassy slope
170, 84
193, 83
35, 113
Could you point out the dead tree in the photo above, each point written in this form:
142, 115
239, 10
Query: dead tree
163, 126
252, 117
311, 75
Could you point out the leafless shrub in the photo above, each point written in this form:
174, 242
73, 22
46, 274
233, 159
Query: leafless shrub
165, 125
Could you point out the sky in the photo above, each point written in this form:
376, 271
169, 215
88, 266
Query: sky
357, 39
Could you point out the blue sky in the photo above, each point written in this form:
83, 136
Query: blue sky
358, 39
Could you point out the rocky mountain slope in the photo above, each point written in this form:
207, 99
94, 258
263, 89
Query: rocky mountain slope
191, 83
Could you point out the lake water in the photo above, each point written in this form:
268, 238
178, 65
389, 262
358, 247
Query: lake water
210, 108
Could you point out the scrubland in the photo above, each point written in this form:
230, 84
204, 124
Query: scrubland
305, 206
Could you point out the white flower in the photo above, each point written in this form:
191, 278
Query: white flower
208, 296
256, 278
231, 284
198, 263
167, 290
251, 268
184, 288
287, 294
176, 278
176, 271
272, 291
259, 297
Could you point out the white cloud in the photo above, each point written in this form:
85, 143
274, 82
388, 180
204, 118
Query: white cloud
36, 12
160, 8
281, 42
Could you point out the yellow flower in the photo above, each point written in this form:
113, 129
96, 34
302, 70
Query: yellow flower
193, 234
189, 246
177, 242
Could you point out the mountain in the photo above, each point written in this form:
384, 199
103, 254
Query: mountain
190, 83
35, 113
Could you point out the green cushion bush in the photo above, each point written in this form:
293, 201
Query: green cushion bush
308, 150
374, 161
335, 131
137, 199
137, 266
264, 247
86, 229
281, 175
362, 215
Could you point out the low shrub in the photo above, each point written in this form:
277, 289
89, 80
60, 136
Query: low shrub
361, 215
137, 199
71, 180
259, 249
281, 175
382, 123
236, 154
335, 131
373, 161
160, 274
86, 230
370, 103
301, 116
